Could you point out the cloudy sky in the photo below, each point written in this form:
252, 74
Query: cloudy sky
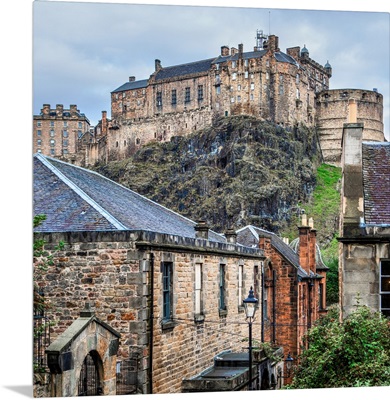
84, 50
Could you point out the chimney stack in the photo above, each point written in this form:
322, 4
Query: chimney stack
231, 236
202, 230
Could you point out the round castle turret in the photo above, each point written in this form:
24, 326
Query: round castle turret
333, 111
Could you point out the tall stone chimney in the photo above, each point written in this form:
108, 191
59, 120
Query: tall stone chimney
231, 236
157, 65
352, 176
224, 51
202, 230
131, 78
46, 109
304, 245
59, 110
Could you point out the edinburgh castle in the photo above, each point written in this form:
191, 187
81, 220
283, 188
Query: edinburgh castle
288, 89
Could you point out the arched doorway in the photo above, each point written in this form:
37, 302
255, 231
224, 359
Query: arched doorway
265, 380
89, 380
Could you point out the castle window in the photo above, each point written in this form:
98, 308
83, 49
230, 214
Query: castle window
79, 134
232, 100
187, 95
80, 125
39, 132
173, 97
124, 143
51, 123
217, 67
267, 75
384, 289
52, 152
65, 133
233, 64
138, 141
238, 87
251, 97
218, 89
39, 142
246, 75
297, 79
116, 144
298, 94
52, 132
65, 124
159, 99
65, 151
65, 142
246, 62
124, 95
252, 86
52, 142
239, 99
39, 123
200, 92
234, 76
167, 278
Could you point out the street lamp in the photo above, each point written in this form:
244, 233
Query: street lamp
250, 304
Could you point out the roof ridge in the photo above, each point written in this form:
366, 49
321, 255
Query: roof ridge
78, 191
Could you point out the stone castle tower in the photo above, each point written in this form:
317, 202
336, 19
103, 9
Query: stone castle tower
336, 107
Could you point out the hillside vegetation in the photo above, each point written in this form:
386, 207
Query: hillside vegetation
236, 172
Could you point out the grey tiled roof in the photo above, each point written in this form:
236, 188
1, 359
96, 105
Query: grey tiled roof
77, 199
184, 69
132, 85
249, 236
376, 182
197, 67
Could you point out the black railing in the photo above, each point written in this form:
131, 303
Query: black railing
41, 341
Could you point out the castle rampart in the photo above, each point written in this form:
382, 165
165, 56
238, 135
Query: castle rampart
333, 112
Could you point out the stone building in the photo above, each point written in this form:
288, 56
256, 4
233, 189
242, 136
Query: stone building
364, 261
177, 100
170, 288
57, 131
293, 291
333, 111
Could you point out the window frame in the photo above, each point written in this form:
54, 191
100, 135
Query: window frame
167, 291
382, 292
222, 287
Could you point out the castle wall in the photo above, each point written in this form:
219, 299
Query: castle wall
333, 113
265, 83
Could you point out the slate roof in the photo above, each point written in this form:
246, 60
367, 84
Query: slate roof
184, 69
132, 85
198, 67
249, 236
376, 182
77, 199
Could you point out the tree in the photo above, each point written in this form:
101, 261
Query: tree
350, 353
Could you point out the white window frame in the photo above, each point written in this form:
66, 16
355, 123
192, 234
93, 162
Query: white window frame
198, 289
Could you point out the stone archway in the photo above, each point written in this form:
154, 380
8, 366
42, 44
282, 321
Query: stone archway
83, 359
90, 378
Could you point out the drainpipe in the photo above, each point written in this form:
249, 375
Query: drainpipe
310, 303
151, 318
262, 302
274, 305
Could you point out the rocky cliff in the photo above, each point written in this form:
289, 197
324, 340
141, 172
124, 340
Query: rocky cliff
236, 172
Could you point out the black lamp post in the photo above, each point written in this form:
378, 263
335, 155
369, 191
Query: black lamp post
250, 304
